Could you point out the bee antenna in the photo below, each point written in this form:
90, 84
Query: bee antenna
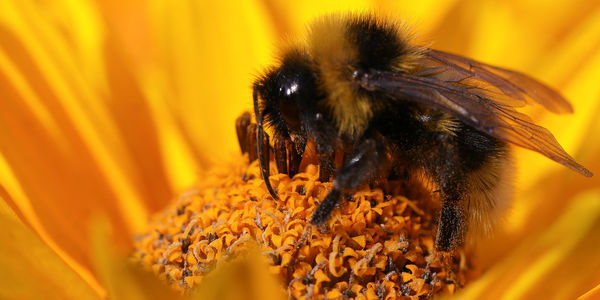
262, 142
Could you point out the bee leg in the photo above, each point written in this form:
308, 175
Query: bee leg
241, 129
264, 150
295, 152
251, 139
365, 162
280, 152
452, 223
326, 169
323, 135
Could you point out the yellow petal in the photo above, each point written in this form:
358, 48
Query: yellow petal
137, 37
13, 198
291, 18
122, 279
78, 135
40, 52
424, 15
561, 262
575, 64
209, 53
591, 294
31, 270
245, 277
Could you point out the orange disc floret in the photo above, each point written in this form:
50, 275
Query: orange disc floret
377, 244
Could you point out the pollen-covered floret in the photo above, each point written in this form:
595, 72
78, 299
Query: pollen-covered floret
375, 245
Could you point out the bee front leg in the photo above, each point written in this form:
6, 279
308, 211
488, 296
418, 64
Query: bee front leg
280, 151
365, 162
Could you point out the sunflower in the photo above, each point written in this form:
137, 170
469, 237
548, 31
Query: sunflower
110, 110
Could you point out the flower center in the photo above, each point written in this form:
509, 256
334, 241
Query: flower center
377, 242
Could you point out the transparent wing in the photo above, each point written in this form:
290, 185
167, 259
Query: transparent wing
505, 86
488, 106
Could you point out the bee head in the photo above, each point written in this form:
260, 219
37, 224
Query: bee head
281, 98
286, 93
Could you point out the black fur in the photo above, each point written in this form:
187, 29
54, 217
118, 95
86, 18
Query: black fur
378, 44
398, 130
287, 90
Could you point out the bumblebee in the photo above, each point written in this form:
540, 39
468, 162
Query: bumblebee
357, 86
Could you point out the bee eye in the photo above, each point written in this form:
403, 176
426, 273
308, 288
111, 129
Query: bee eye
290, 89
287, 91
291, 92
288, 106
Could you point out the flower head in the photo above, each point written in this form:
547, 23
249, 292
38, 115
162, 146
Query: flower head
377, 244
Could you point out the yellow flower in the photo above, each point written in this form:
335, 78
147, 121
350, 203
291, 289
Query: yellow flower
376, 244
110, 109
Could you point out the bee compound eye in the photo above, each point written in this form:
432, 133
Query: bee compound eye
291, 89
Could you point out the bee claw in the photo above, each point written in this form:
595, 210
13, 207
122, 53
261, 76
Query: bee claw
263, 160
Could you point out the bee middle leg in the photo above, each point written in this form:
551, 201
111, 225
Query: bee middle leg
326, 166
452, 222
452, 180
365, 162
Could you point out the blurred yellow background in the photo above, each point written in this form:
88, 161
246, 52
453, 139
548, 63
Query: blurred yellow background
114, 107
